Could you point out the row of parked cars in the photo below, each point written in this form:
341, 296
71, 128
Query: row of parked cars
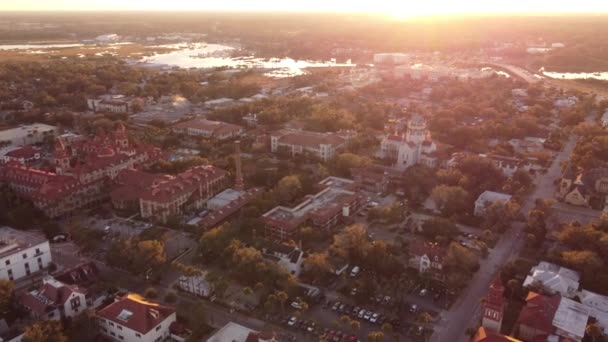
324, 334
362, 313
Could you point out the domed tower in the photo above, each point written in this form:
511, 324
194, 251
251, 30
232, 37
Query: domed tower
121, 137
416, 130
61, 158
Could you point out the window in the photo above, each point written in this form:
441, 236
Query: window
112, 333
111, 324
10, 272
37, 250
7, 262
138, 335
121, 337
24, 255
158, 328
27, 265
104, 329
119, 327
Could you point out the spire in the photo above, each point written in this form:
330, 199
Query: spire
238, 183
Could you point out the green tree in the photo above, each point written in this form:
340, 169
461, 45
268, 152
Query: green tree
7, 289
594, 331
352, 243
375, 336
451, 200
288, 188
45, 331
439, 227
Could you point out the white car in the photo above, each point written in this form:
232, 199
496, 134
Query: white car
367, 315
292, 321
374, 317
361, 313
296, 305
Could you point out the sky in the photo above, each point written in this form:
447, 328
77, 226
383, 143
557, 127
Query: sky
391, 7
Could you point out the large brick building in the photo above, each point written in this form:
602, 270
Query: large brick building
335, 203
160, 196
321, 145
82, 171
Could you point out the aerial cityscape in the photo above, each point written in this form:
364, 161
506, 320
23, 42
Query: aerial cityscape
323, 171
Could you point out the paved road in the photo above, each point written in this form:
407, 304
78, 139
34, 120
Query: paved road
517, 71
465, 312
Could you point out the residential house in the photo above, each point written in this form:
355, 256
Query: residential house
488, 198
554, 279
54, 300
290, 258
208, 129
22, 253
324, 146
427, 257
195, 284
336, 203
132, 318
588, 188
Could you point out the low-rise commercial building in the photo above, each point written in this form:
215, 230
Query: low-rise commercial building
337, 202
208, 129
320, 145
27, 134
22, 253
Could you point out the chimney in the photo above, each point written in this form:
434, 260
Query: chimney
238, 183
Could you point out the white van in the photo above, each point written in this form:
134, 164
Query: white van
355, 271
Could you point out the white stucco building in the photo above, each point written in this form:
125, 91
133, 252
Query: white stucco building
27, 134
133, 318
22, 253
415, 147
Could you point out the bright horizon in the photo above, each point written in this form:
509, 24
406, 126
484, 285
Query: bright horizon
395, 8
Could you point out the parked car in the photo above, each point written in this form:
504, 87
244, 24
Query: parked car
374, 318
386, 300
336, 306
355, 271
423, 292
292, 321
341, 307
414, 308
361, 313
296, 305
353, 292
355, 311
367, 315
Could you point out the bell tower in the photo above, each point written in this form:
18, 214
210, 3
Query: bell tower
61, 158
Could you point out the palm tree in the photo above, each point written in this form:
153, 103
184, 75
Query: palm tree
594, 331
282, 298
355, 325
375, 336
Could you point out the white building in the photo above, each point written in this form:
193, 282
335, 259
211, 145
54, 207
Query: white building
392, 58
133, 318
27, 134
554, 279
488, 198
196, 285
604, 119
54, 300
22, 253
570, 319
107, 38
290, 258
321, 145
416, 147
233, 332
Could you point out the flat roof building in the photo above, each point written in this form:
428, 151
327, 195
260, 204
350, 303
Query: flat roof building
22, 253
27, 134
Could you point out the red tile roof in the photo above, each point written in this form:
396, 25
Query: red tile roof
432, 250
310, 139
48, 297
539, 312
144, 315
484, 335
25, 152
186, 182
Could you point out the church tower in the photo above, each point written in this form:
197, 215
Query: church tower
416, 130
61, 158
121, 137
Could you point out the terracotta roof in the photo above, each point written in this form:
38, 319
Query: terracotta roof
484, 335
539, 312
48, 297
432, 250
183, 183
81, 274
213, 128
23, 152
136, 313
